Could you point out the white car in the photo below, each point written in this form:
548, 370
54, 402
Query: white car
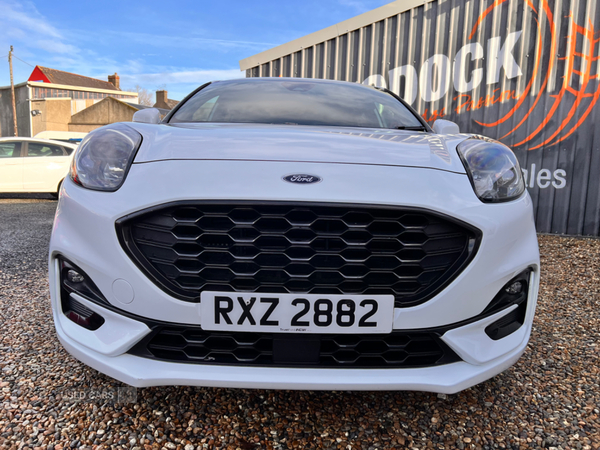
72, 137
33, 165
294, 234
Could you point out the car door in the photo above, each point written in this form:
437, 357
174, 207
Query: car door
45, 165
11, 167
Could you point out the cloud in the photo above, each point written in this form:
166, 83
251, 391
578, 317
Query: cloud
179, 83
25, 15
148, 62
169, 41
188, 76
23, 23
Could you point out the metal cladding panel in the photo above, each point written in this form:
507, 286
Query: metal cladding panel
523, 72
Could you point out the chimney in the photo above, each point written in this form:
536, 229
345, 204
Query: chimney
161, 99
114, 80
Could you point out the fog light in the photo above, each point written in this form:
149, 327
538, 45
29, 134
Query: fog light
514, 288
74, 276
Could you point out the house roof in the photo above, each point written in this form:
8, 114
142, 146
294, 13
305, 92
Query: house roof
47, 75
172, 103
373, 16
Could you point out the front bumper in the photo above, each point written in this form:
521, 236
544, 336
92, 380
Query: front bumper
140, 372
86, 236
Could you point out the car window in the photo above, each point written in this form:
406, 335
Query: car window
389, 117
36, 149
291, 102
10, 149
203, 114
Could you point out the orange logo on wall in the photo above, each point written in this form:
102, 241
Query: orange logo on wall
579, 60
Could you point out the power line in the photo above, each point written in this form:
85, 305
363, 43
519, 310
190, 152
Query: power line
22, 60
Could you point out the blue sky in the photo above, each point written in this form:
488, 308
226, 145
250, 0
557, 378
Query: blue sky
177, 44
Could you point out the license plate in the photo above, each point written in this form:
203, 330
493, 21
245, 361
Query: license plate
296, 313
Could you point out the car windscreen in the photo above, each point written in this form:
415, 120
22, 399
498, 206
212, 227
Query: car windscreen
301, 102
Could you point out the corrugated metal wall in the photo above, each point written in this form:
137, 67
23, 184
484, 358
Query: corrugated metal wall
523, 72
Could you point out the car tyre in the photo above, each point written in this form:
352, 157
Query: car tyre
54, 195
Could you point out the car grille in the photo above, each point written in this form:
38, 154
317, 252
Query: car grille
189, 247
194, 345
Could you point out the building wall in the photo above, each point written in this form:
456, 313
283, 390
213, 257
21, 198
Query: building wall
526, 73
80, 105
43, 90
6, 112
104, 112
55, 115
82, 127
55, 103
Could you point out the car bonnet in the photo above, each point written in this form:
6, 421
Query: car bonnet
290, 143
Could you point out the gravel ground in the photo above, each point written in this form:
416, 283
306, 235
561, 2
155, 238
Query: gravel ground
549, 399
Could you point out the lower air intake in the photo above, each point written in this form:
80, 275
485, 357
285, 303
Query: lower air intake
196, 346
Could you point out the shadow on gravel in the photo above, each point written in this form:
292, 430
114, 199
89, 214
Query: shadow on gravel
26, 197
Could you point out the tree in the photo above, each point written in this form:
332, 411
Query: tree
145, 96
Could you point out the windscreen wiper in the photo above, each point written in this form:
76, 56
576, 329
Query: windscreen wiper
412, 128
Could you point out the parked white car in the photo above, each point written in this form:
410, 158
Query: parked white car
294, 234
33, 165
71, 137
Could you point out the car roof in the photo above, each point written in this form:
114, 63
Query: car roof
41, 141
255, 80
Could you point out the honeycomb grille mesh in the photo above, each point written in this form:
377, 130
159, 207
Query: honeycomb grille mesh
194, 345
297, 248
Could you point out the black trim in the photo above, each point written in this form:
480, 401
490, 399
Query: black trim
71, 308
398, 349
503, 299
512, 321
127, 242
87, 289
81, 315
428, 129
507, 324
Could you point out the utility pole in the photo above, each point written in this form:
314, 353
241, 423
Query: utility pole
12, 90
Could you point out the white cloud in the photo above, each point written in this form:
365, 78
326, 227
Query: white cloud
188, 76
23, 23
169, 41
38, 41
25, 15
179, 83
54, 46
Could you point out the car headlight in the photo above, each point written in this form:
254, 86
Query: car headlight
493, 169
104, 157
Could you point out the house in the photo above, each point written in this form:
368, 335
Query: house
50, 97
163, 102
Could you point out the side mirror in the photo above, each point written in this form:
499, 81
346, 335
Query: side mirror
148, 115
441, 126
